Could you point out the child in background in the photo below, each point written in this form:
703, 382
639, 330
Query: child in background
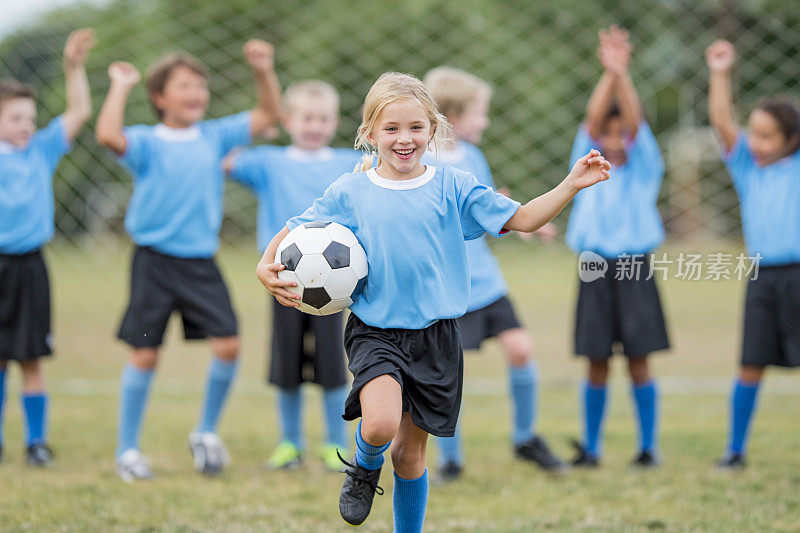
401, 338
612, 220
765, 167
28, 160
464, 100
286, 180
174, 218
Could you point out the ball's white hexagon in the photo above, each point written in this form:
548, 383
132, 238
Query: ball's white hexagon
291, 276
358, 261
313, 270
341, 283
313, 241
291, 237
341, 234
335, 306
310, 310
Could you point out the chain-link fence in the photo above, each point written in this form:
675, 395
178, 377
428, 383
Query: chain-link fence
538, 56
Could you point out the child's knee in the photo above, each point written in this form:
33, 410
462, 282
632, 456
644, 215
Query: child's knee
639, 370
144, 358
379, 430
598, 371
408, 457
225, 348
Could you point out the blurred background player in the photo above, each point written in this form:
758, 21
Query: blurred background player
28, 160
174, 218
764, 165
286, 180
464, 99
616, 218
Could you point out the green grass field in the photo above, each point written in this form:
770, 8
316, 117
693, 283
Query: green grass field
497, 493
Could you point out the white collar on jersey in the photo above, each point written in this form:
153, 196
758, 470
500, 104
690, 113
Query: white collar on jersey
7, 148
451, 156
176, 135
402, 185
309, 156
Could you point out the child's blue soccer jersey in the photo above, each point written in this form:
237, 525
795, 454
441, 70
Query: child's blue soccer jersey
287, 180
176, 206
26, 189
485, 277
619, 216
413, 232
770, 203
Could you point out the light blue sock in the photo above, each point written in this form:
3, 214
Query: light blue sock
523, 398
333, 400
132, 402
220, 377
450, 448
367, 455
743, 403
646, 400
35, 407
594, 406
410, 501
290, 410
2, 399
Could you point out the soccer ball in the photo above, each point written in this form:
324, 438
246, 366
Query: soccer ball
327, 263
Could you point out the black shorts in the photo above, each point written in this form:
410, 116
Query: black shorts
427, 363
24, 307
161, 284
487, 322
772, 318
626, 312
306, 348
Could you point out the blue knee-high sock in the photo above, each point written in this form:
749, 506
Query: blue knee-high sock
450, 449
646, 399
2, 398
132, 401
35, 407
290, 408
333, 399
410, 501
743, 403
220, 377
594, 406
523, 396
367, 455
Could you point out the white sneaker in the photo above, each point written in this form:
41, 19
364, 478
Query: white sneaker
210, 455
132, 465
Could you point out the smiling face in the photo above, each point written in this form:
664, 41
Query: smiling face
766, 140
470, 125
184, 99
401, 135
312, 122
17, 121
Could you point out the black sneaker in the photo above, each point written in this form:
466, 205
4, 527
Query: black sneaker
449, 472
358, 490
584, 459
646, 459
732, 461
39, 455
535, 449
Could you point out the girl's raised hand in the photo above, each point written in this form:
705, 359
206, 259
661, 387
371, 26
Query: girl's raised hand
260, 55
268, 275
123, 73
720, 56
77, 47
588, 170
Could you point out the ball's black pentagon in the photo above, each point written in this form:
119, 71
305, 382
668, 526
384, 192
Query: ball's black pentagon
359, 287
316, 297
316, 224
290, 256
337, 255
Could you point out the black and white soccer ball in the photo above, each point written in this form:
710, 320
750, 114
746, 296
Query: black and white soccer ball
328, 264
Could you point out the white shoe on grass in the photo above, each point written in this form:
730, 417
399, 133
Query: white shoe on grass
132, 465
210, 455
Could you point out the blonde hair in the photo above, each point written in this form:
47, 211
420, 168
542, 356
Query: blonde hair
455, 89
300, 90
391, 87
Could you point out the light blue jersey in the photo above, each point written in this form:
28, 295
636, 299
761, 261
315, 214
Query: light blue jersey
286, 180
619, 216
413, 232
485, 277
26, 189
176, 207
770, 203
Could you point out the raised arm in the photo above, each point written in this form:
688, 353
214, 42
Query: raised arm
719, 57
588, 170
111, 120
261, 57
615, 55
79, 98
599, 104
267, 272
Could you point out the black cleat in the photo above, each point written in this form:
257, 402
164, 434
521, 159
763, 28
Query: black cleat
646, 459
535, 449
39, 454
732, 461
358, 491
584, 459
449, 472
